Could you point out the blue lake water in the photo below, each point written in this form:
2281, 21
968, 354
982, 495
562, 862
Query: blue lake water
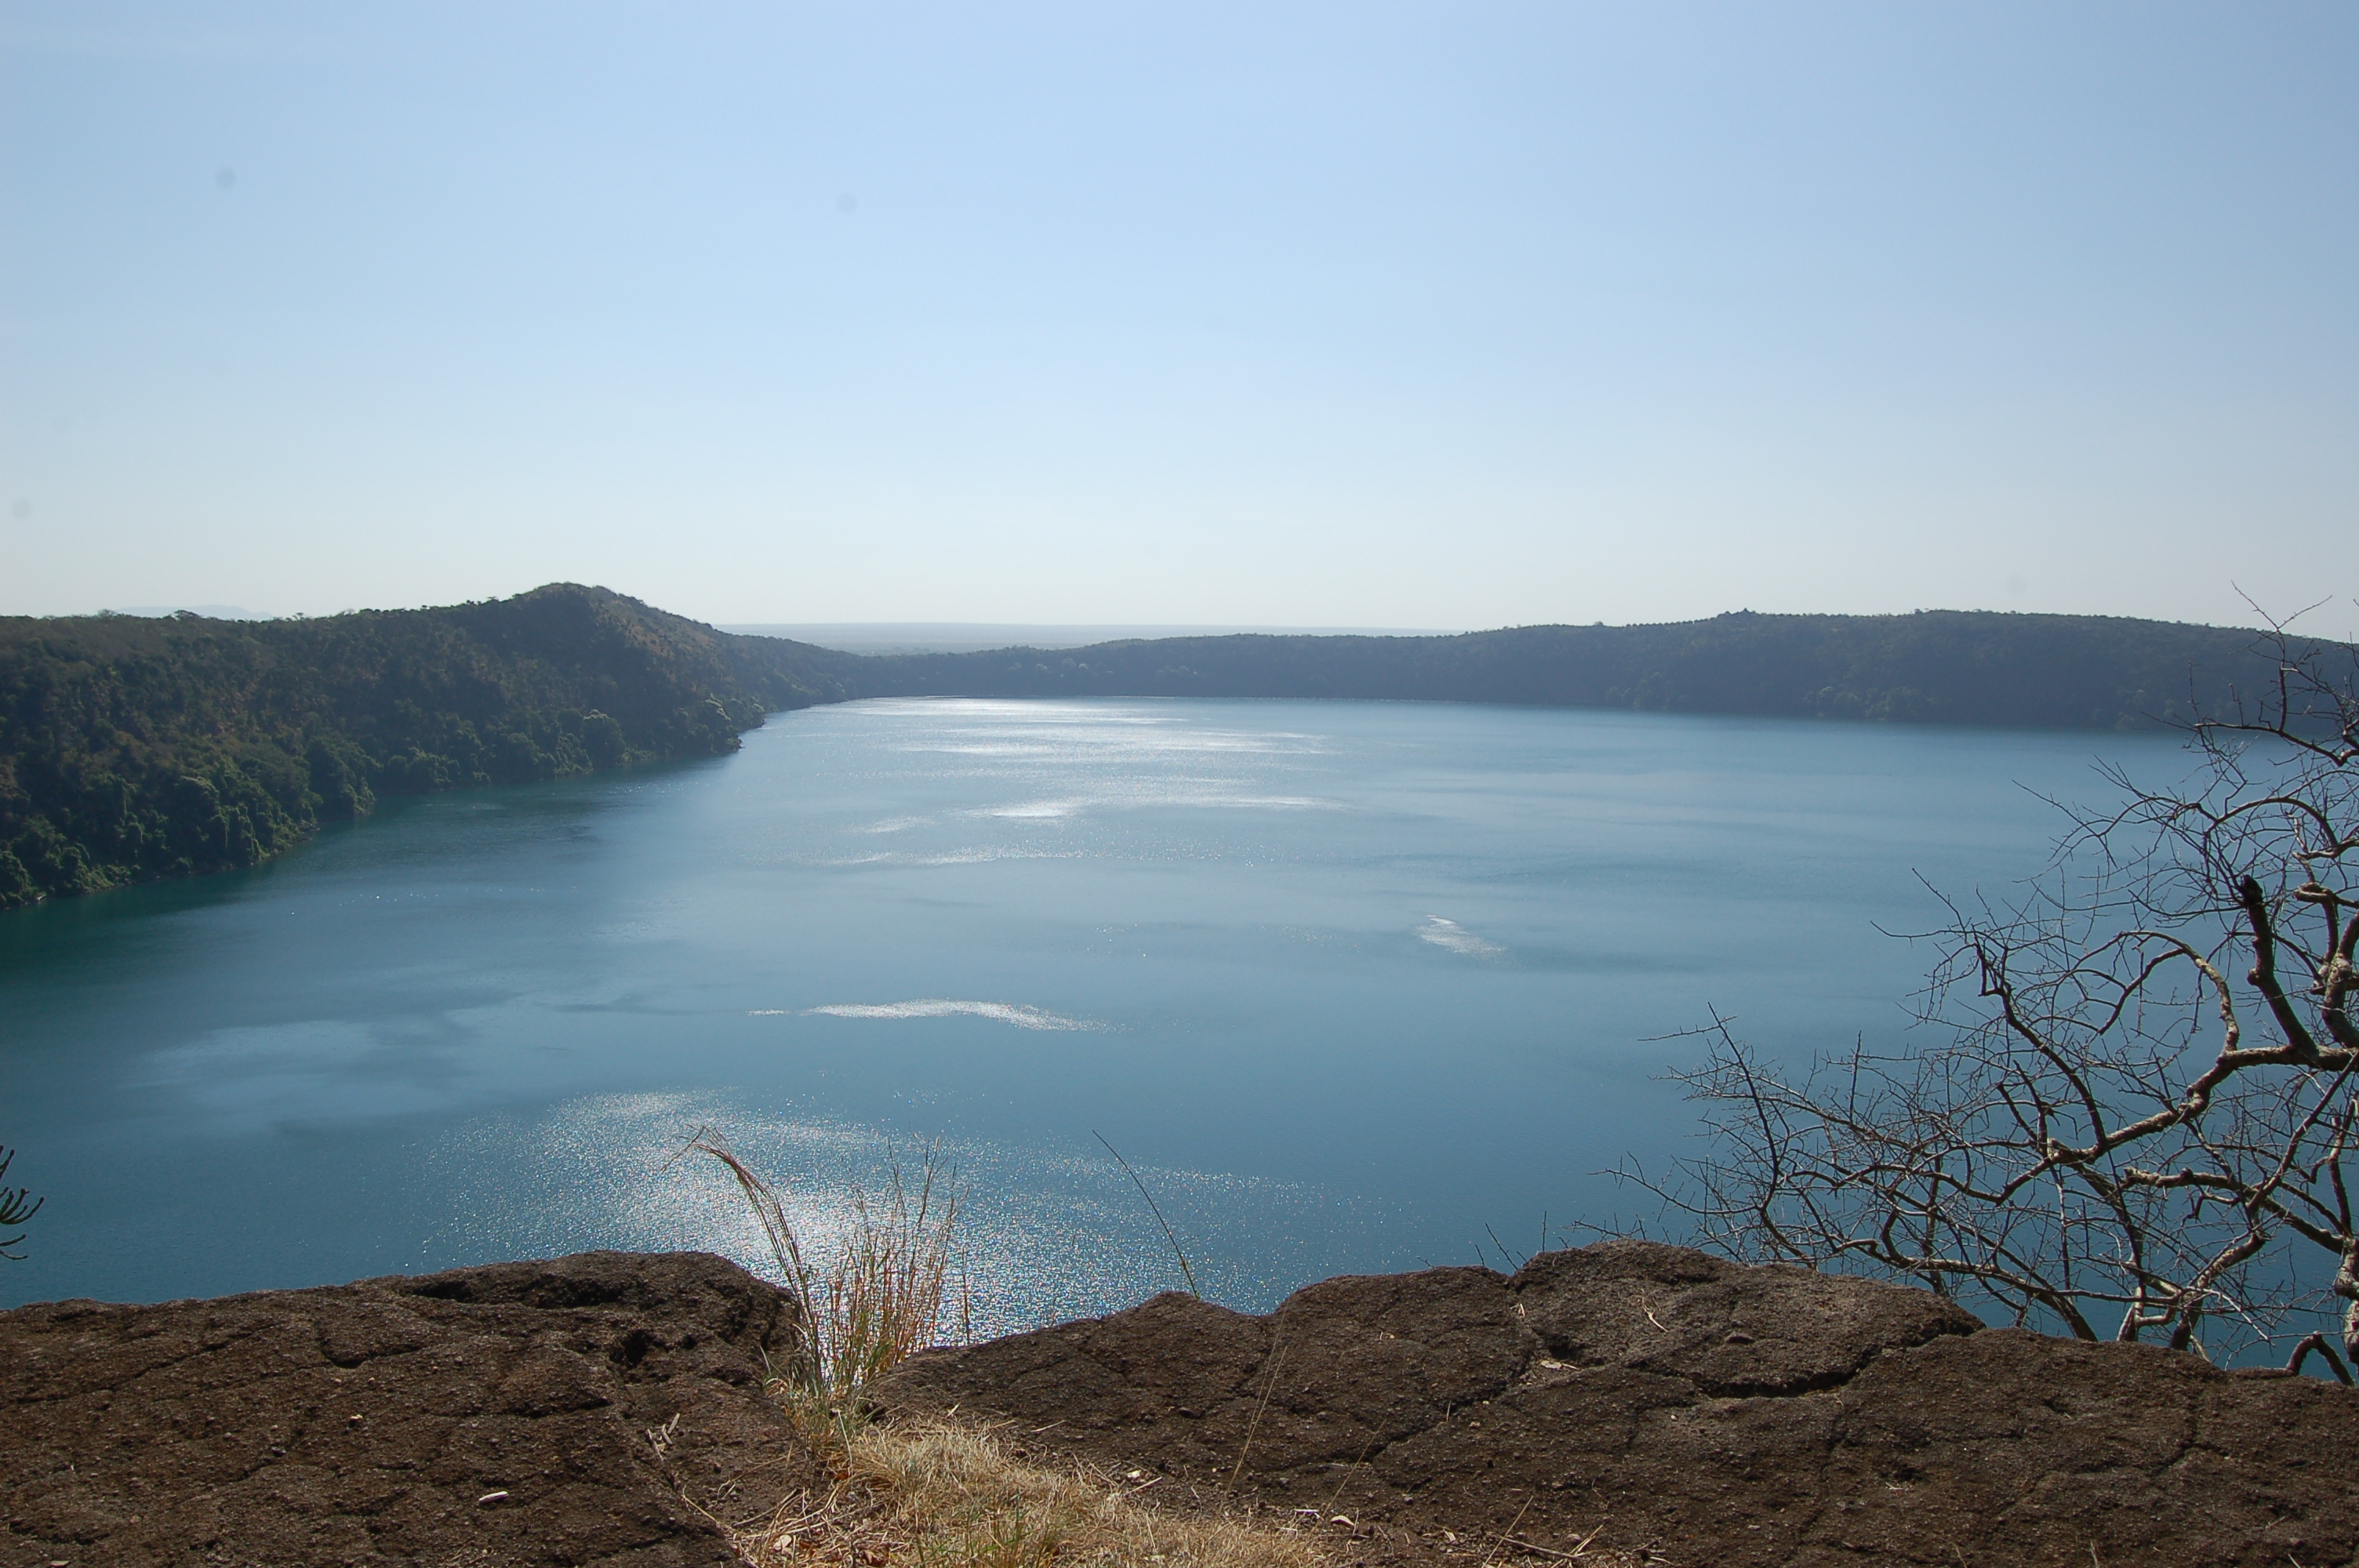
1352, 985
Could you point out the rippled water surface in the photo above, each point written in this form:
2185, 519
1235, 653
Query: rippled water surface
1352, 985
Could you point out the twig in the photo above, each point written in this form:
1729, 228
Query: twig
1506, 1535
2316, 1340
1580, 1548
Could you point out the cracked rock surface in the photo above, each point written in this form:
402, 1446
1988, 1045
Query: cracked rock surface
601, 1408
1658, 1402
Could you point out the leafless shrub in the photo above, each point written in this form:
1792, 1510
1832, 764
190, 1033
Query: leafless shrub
2138, 1123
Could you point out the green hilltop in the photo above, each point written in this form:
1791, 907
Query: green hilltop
134, 747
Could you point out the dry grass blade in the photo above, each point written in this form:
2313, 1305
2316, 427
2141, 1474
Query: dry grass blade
1156, 1209
1269, 1385
768, 1210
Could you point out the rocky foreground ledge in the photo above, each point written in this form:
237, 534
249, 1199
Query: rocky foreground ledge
1656, 1401
592, 1410
607, 1408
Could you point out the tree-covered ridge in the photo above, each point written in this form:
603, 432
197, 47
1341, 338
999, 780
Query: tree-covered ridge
1936, 666
133, 747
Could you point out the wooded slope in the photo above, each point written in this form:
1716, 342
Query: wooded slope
1937, 666
133, 747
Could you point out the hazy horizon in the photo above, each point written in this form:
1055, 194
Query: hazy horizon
1311, 315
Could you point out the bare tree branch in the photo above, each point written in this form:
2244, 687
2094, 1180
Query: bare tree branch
2095, 1145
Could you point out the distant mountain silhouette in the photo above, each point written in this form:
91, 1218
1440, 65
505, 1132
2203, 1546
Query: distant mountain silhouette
1935, 666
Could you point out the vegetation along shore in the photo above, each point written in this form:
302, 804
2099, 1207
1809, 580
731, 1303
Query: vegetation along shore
133, 748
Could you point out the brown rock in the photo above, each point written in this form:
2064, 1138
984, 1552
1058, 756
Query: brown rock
1726, 1328
1648, 1400
584, 1410
1667, 1405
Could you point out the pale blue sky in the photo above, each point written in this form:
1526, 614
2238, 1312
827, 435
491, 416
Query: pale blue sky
1447, 315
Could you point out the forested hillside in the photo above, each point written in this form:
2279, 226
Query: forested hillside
133, 748
1936, 666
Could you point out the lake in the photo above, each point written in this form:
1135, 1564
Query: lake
1353, 985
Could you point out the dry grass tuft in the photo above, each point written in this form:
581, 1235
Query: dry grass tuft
885, 1297
944, 1495
877, 1302
939, 1494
